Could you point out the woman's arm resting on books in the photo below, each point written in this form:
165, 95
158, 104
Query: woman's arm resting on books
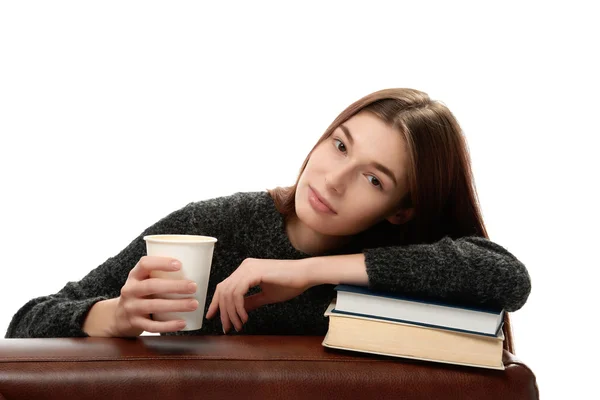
472, 270
349, 269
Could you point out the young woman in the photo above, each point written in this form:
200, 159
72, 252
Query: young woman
385, 199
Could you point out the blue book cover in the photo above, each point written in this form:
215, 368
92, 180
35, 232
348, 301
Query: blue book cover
366, 291
334, 311
369, 292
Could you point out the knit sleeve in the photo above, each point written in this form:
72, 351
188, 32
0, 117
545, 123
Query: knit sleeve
63, 314
469, 271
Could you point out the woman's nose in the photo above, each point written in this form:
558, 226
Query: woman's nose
336, 179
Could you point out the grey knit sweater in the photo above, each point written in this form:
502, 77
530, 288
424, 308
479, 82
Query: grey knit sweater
247, 224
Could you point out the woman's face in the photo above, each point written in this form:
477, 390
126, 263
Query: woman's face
360, 172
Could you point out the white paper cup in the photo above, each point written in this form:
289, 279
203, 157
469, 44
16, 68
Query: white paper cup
195, 254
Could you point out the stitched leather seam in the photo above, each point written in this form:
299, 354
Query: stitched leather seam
124, 358
121, 358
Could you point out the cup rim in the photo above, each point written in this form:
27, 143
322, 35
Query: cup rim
180, 239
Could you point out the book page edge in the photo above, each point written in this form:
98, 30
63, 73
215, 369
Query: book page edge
500, 367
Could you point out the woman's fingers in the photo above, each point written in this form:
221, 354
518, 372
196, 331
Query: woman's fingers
152, 286
147, 264
238, 300
141, 296
224, 317
213, 307
232, 312
140, 309
151, 326
228, 300
153, 306
219, 303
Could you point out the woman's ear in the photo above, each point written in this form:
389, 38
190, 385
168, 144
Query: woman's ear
401, 216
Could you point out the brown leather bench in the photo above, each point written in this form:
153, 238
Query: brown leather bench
240, 367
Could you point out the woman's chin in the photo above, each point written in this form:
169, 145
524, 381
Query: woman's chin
325, 226
316, 221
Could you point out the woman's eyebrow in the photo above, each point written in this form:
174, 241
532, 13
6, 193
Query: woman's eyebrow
375, 164
344, 128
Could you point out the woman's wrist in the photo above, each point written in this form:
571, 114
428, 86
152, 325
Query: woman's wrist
100, 319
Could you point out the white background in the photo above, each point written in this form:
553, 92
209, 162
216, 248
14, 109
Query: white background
115, 113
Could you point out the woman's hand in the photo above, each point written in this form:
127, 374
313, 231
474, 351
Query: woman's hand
280, 280
134, 306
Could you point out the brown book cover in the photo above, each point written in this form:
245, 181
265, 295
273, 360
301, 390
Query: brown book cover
398, 339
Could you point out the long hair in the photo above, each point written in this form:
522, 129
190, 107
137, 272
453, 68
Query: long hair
440, 182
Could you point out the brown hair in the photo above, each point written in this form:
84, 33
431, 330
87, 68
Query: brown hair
440, 182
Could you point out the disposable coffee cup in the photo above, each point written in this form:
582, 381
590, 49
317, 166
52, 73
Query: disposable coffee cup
195, 254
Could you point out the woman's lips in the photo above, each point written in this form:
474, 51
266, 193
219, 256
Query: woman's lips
316, 203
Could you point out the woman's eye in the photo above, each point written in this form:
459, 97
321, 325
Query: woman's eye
341, 147
375, 182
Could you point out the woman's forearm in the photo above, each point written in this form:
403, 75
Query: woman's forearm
349, 269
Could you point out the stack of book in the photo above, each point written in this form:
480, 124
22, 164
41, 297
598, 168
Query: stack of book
380, 323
